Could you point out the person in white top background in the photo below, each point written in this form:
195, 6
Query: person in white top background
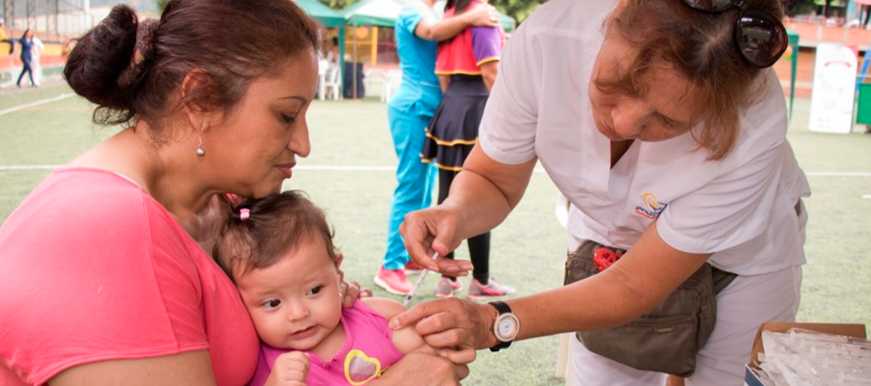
34, 61
665, 128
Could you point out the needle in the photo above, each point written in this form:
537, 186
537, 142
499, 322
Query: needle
423, 273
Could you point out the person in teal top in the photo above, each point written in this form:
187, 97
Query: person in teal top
417, 30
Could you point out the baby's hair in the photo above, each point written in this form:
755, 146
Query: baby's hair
258, 232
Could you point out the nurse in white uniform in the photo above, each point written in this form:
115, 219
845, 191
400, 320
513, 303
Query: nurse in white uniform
664, 126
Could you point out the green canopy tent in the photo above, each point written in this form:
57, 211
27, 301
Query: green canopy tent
329, 18
320, 12
379, 13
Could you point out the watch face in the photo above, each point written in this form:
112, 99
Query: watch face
506, 327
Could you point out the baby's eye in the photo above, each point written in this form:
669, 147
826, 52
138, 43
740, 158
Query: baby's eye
272, 303
315, 291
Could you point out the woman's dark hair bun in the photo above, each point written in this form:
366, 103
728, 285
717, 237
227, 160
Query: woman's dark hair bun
98, 58
229, 43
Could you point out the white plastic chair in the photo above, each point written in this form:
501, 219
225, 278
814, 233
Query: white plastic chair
371, 77
332, 86
323, 66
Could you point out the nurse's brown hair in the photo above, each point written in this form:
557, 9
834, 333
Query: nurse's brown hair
701, 48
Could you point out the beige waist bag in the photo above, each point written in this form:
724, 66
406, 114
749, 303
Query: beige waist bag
666, 339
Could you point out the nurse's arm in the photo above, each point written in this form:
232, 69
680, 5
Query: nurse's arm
447, 28
636, 283
486, 191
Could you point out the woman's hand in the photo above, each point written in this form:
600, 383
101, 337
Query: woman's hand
485, 16
433, 230
455, 327
352, 291
447, 28
289, 369
417, 368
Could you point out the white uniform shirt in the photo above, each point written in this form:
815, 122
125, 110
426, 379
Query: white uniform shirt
741, 208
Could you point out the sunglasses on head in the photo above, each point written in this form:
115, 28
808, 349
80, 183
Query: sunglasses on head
760, 37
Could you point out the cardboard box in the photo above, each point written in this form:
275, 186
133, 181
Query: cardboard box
751, 375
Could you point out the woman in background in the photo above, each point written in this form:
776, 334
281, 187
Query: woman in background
467, 66
34, 61
26, 57
408, 112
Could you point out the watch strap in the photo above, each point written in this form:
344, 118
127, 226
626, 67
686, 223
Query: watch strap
502, 308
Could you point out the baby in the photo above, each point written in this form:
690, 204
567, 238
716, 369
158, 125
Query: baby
279, 252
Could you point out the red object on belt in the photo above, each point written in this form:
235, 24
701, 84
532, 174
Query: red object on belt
604, 257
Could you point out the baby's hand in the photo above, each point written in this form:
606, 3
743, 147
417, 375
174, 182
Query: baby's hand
290, 369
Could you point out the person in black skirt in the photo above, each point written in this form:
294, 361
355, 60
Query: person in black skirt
467, 67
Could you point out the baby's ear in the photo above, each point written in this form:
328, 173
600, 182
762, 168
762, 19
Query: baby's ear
339, 259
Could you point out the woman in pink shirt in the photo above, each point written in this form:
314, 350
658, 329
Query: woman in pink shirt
279, 251
103, 277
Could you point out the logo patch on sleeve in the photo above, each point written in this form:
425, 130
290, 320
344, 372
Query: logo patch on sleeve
651, 208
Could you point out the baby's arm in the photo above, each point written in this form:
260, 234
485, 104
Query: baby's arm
407, 339
289, 369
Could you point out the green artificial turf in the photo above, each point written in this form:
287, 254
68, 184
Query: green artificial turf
349, 174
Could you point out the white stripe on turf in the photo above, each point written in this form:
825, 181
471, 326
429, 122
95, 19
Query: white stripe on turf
37, 103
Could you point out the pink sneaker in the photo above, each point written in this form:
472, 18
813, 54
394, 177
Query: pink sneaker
393, 280
491, 290
412, 268
448, 286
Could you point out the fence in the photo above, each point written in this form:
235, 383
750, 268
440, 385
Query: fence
52, 20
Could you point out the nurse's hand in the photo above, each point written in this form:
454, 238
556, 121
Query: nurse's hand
427, 231
455, 327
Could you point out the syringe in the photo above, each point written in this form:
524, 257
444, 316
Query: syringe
423, 273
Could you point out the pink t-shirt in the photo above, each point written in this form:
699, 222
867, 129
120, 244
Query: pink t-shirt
92, 268
367, 352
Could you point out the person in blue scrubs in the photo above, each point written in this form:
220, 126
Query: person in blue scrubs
26, 57
417, 30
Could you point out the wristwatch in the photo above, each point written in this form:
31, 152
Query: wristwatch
506, 326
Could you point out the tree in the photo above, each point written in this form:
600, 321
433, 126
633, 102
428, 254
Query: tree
518, 9
799, 7
337, 4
